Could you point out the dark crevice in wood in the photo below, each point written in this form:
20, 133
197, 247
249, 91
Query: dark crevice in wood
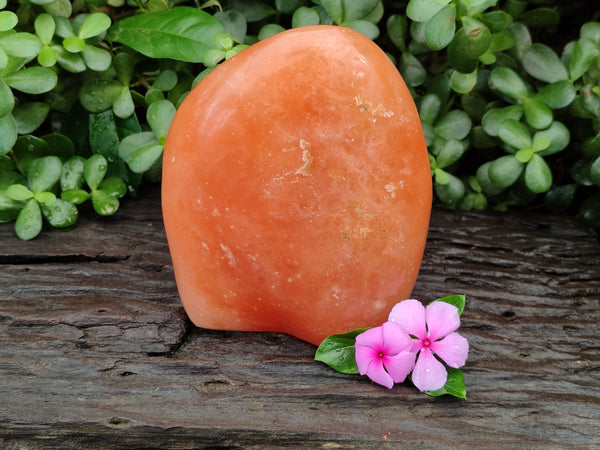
60, 259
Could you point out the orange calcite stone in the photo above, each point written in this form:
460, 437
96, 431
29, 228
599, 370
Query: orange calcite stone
296, 188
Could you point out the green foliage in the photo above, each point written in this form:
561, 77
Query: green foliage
88, 89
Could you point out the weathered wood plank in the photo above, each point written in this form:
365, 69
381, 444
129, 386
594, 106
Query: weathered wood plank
95, 347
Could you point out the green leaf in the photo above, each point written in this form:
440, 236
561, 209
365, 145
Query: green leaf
585, 52
104, 138
144, 157
60, 145
591, 31
558, 135
515, 134
32, 80
537, 114
508, 82
234, 23
69, 61
504, 171
540, 17
451, 152
123, 105
492, 119
269, 30
557, 95
104, 203
365, 27
595, 171
458, 56
454, 125
160, 115
73, 44
542, 63
43, 173
72, 176
134, 141
61, 214
412, 70
45, 198
452, 192
96, 58
22, 45
114, 186
75, 196
29, 221
538, 176
455, 385
44, 28
8, 133
487, 187
441, 27
559, 198
19, 193
458, 300
182, 33
305, 16
8, 20
94, 25
338, 351
253, 10
478, 35
94, 170
397, 29
7, 99
463, 83
30, 116
429, 108
423, 10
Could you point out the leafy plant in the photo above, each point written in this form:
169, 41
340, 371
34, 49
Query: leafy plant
510, 110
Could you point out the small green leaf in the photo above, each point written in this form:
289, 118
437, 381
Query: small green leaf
104, 138
397, 30
595, 171
538, 176
32, 80
73, 44
72, 176
96, 58
338, 351
305, 16
61, 214
450, 152
104, 203
441, 177
441, 27
8, 20
44, 28
463, 83
8, 133
557, 95
412, 70
22, 45
45, 198
492, 120
364, 27
269, 30
514, 133
458, 300
429, 108
94, 25
95, 169
114, 186
455, 385
504, 171
423, 10
452, 192
144, 157
19, 193
71, 62
537, 114
458, 57
454, 125
30, 116
7, 99
585, 52
542, 63
559, 137
75, 196
29, 221
508, 82
160, 115
43, 173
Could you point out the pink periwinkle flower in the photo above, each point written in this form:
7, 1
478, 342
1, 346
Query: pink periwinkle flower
385, 354
433, 328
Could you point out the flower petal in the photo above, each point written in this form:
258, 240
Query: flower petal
453, 349
429, 374
367, 347
442, 319
377, 373
395, 339
399, 365
410, 315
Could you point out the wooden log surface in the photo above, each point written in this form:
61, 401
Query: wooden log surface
96, 350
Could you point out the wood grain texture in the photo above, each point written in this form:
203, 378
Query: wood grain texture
95, 349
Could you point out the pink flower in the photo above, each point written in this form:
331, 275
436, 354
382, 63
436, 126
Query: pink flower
385, 354
432, 328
